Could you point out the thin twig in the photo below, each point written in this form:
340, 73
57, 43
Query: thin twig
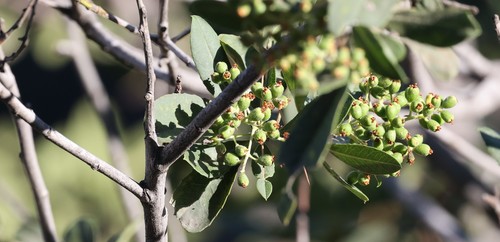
181, 35
166, 58
66, 144
30, 163
28, 11
496, 20
99, 98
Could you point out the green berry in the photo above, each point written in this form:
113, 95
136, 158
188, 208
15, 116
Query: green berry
267, 113
243, 180
231, 159
275, 134
401, 133
369, 122
379, 131
216, 77
221, 149
358, 54
281, 102
395, 86
433, 125
398, 157
345, 129
362, 133
423, 122
379, 109
428, 109
449, 102
438, 118
220, 67
372, 81
270, 126
256, 115
447, 116
356, 111
397, 122
266, 95
412, 93
385, 82
260, 136
277, 89
244, 102
257, 89
416, 140
365, 108
341, 72
226, 76
392, 111
379, 92
226, 131
390, 136
378, 144
364, 87
265, 160
417, 106
423, 149
364, 180
401, 99
235, 72
436, 101
400, 148
240, 150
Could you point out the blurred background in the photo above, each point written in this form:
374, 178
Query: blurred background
434, 199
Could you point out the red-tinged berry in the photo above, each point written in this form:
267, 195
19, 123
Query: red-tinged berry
364, 180
412, 93
226, 76
265, 160
281, 102
231, 159
417, 106
244, 10
449, 102
423, 149
243, 180
447, 116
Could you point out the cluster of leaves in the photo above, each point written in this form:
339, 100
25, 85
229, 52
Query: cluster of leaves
316, 52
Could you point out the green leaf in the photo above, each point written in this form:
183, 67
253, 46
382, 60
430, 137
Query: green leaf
307, 144
383, 52
204, 160
198, 200
442, 63
264, 187
353, 189
365, 158
204, 46
264, 172
492, 140
445, 27
234, 48
173, 112
81, 231
342, 13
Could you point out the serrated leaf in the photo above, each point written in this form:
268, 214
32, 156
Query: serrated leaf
441, 62
365, 158
198, 200
342, 14
307, 144
353, 189
173, 112
444, 27
383, 54
204, 47
234, 49
81, 231
492, 140
204, 160
264, 187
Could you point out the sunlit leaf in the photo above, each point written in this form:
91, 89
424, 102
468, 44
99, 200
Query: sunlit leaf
382, 52
204, 160
445, 27
441, 62
492, 140
264, 187
204, 46
198, 200
234, 49
342, 13
365, 158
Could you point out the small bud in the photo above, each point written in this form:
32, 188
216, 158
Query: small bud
265, 160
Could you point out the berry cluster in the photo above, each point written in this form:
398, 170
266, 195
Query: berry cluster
253, 111
375, 119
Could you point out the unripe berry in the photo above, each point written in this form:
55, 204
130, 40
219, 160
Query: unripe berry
438, 118
267, 113
379, 109
226, 76
378, 144
226, 131
243, 180
235, 72
401, 99
244, 10
400, 148
395, 86
365, 108
266, 94
436, 101
398, 157
256, 115
423, 122
277, 89
416, 140
398, 122
417, 106
259, 7
221, 149
221, 67
447, 116
364, 87
362, 133
364, 180
244, 102
275, 134
260, 136
356, 111
433, 125
412, 93
392, 111
423, 149
379, 92
345, 129
385, 82
231, 159
270, 126
401, 133
217, 78
240, 150
341, 72
280, 102
344, 56
217, 124
372, 81
358, 54
265, 160
369, 122
449, 102
390, 136
257, 89
379, 131
428, 109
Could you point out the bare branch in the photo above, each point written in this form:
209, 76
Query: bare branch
99, 98
166, 58
60, 140
496, 20
30, 163
181, 35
